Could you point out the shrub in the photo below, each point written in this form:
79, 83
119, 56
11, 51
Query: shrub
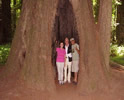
116, 50
4, 52
113, 50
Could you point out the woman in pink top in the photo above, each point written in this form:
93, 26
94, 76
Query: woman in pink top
60, 61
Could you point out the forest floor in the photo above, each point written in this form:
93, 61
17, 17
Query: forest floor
13, 90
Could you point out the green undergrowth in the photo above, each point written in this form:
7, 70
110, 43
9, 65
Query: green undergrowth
118, 59
4, 52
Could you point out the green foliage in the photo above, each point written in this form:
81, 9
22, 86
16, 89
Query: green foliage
16, 7
4, 52
113, 50
95, 9
115, 4
116, 50
15, 13
118, 59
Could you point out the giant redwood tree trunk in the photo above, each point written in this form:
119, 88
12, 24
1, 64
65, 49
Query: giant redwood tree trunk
31, 48
94, 44
30, 55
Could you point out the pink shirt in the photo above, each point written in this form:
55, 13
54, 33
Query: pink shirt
60, 55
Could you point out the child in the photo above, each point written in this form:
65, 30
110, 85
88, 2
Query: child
60, 62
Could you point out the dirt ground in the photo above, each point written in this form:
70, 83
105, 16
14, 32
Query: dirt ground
11, 90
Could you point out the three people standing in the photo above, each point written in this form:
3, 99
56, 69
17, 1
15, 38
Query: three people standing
67, 60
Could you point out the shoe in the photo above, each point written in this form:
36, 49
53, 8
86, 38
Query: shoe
75, 83
69, 81
64, 81
60, 82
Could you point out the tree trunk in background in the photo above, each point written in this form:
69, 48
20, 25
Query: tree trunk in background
6, 16
21, 1
31, 48
120, 21
14, 17
1, 29
16, 11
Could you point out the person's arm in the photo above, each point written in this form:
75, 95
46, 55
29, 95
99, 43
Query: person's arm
65, 59
77, 49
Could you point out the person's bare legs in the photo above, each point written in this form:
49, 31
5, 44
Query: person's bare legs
75, 76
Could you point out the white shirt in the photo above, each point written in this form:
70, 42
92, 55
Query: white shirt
66, 50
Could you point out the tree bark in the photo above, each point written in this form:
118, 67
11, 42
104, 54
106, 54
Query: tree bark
94, 45
31, 48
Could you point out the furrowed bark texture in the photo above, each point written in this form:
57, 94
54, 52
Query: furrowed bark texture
94, 44
31, 48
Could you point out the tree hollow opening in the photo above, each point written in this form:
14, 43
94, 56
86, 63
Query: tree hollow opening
64, 26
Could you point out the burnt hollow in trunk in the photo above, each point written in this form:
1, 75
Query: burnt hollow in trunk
64, 25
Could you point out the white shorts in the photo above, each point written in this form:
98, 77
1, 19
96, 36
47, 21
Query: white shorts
75, 66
